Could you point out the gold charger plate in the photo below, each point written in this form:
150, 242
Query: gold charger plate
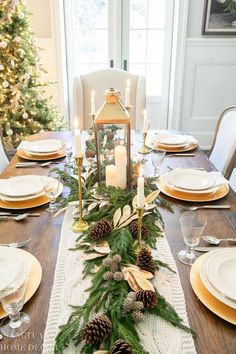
24, 155
189, 147
24, 204
34, 280
193, 197
216, 306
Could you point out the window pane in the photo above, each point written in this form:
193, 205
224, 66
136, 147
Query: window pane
82, 68
155, 47
99, 46
156, 13
154, 79
138, 14
82, 51
137, 50
138, 69
99, 14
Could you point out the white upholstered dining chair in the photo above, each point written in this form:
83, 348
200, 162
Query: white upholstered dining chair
101, 80
4, 161
223, 151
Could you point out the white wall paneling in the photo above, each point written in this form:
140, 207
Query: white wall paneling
208, 85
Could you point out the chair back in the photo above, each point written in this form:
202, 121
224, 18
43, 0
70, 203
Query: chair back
4, 160
223, 151
101, 80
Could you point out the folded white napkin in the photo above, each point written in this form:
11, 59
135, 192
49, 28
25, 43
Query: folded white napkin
191, 139
219, 178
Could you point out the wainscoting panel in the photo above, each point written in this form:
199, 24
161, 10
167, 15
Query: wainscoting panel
208, 86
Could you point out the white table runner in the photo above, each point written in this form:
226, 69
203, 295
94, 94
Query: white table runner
157, 335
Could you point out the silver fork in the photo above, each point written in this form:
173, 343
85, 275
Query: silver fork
16, 244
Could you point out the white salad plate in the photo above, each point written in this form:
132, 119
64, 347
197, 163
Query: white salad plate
191, 179
204, 277
171, 139
165, 180
44, 146
221, 272
21, 186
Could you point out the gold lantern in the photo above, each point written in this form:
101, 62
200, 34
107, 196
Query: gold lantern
112, 139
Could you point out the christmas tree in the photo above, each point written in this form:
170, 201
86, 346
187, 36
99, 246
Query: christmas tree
24, 109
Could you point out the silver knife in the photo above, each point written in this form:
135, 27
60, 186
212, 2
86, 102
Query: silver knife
207, 249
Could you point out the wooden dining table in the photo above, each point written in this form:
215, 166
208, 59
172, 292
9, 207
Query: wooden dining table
214, 335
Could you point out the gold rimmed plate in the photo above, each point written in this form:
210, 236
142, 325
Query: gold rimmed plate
221, 192
213, 304
40, 157
34, 280
27, 204
188, 147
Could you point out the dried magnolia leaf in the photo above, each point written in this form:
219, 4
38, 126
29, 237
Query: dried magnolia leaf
127, 222
126, 214
125, 272
143, 283
116, 217
90, 256
92, 206
61, 211
102, 247
103, 204
134, 202
133, 283
152, 196
143, 273
150, 206
101, 352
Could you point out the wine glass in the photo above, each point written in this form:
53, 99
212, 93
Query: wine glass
192, 226
51, 187
157, 157
12, 300
67, 148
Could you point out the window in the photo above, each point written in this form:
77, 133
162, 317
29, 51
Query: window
130, 34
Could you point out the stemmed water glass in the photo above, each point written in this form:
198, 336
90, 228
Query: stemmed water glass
67, 147
157, 157
51, 187
12, 300
192, 226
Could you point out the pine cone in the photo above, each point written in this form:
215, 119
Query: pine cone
148, 298
138, 316
133, 228
90, 153
121, 347
145, 260
101, 229
108, 276
97, 329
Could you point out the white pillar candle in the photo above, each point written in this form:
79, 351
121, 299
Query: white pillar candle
121, 164
127, 94
92, 102
140, 190
111, 175
77, 144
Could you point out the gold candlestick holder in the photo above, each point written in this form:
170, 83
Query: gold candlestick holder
80, 225
138, 245
144, 149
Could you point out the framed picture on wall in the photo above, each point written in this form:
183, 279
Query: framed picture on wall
219, 17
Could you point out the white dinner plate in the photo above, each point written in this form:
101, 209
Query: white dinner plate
191, 179
171, 139
21, 186
45, 146
221, 272
203, 274
165, 180
10, 266
18, 199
